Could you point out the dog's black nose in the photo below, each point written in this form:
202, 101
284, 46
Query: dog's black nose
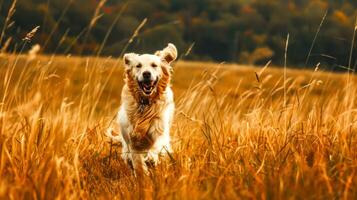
146, 75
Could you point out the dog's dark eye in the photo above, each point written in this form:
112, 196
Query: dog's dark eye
153, 65
138, 65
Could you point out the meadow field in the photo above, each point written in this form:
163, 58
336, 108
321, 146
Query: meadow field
239, 132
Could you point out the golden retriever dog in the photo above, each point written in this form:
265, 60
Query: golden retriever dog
147, 107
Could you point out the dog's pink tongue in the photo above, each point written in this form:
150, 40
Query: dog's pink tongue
147, 86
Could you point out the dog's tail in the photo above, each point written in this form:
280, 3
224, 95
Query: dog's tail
113, 133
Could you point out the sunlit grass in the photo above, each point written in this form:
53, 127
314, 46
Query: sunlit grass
232, 135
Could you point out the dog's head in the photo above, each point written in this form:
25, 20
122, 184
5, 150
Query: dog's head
147, 69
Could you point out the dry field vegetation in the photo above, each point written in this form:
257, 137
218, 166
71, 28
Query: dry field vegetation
239, 132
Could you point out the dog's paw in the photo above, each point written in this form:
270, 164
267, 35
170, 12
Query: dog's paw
151, 159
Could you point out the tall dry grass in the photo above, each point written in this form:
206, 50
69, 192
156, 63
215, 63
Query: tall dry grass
234, 136
239, 131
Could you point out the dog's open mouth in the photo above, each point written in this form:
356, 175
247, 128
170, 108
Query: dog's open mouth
148, 87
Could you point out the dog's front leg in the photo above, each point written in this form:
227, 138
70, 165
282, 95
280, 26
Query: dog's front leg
160, 147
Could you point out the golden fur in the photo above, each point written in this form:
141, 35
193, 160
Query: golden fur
145, 115
140, 115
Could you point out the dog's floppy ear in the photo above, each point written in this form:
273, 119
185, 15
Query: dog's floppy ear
168, 54
129, 59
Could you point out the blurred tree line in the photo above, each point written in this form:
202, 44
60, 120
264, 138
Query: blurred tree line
245, 31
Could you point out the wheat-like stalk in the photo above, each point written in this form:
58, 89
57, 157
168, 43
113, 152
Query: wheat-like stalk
7, 22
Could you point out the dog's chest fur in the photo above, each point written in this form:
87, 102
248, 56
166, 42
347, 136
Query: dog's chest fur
144, 116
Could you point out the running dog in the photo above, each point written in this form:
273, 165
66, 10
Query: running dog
147, 106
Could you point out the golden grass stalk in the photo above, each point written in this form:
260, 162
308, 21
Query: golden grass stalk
7, 22
229, 143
